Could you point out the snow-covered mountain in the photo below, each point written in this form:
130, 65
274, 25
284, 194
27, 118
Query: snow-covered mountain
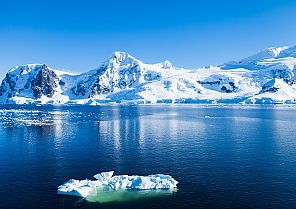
266, 77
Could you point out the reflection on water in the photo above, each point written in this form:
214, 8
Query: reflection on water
103, 195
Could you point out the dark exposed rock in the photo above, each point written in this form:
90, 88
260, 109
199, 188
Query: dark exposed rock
27, 85
61, 83
152, 76
98, 88
121, 84
2, 89
273, 85
40, 79
190, 85
225, 89
167, 84
271, 89
128, 77
209, 82
231, 88
231, 84
285, 74
9, 81
44, 83
79, 90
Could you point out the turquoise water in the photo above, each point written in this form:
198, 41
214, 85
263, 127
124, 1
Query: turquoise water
223, 157
102, 195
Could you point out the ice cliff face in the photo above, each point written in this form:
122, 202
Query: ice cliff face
266, 77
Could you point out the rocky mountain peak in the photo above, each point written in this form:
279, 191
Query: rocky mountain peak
121, 57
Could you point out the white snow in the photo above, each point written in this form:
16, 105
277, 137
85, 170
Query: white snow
124, 79
83, 188
275, 91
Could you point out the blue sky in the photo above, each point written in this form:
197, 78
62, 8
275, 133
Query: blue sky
80, 35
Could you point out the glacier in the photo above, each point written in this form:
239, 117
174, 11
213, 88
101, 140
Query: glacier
106, 181
267, 77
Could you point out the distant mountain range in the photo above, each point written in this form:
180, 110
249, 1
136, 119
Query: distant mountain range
267, 77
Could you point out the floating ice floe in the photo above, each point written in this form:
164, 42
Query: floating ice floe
83, 188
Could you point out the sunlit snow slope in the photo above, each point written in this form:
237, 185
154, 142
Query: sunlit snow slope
266, 77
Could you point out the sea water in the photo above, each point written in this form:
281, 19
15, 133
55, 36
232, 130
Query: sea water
222, 156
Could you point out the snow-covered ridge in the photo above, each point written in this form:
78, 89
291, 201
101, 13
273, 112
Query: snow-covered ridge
125, 79
83, 188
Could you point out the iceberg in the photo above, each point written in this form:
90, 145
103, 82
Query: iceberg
106, 180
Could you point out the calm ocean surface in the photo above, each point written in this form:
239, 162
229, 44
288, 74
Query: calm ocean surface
223, 157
